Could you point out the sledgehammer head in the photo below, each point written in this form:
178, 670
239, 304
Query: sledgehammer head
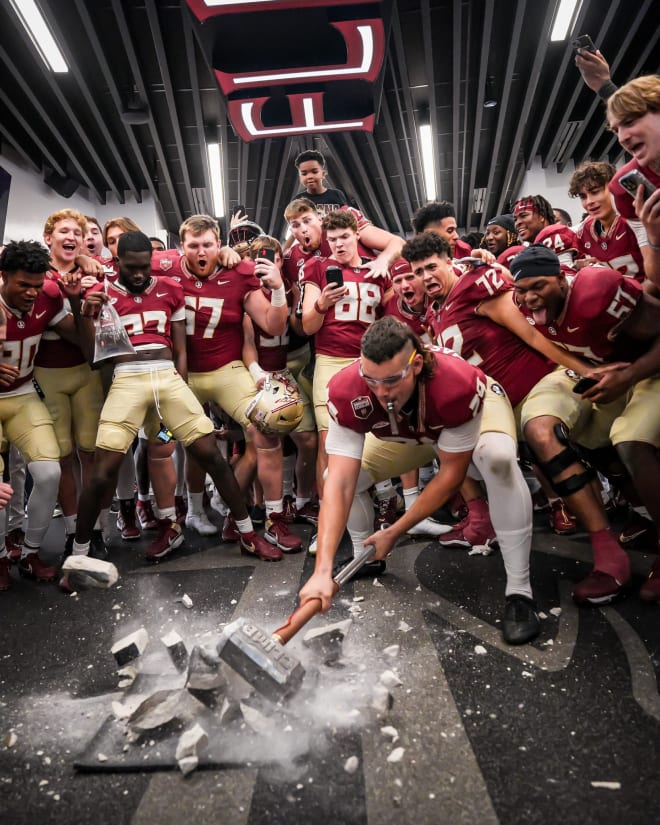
260, 660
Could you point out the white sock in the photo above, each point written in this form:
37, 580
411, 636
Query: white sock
195, 502
288, 472
274, 506
410, 496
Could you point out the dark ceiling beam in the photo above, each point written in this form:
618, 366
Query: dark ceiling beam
18, 147
124, 31
503, 115
161, 56
109, 78
243, 165
396, 155
427, 41
456, 95
372, 199
52, 128
338, 161
386, 185
276, 218
406, 111
88, 97
505, 190
486, 33
29, 131
541, 130
191, 61
568, 108
264, 163
644, 57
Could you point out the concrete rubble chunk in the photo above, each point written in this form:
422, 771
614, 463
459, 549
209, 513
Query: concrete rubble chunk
186, 601
204, 671
188, 764
391, 732
84, 572
128, 675
396, 755
164, 706
390, 679
130, 647
11, 739
392, 651
191, 743
381, 699
351, 764
177, 649
327, 640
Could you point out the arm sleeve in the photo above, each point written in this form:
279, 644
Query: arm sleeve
342, 441
460, 439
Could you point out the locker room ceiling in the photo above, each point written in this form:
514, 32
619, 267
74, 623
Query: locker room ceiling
140, 99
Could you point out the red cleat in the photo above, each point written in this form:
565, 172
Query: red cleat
598, 588
277, 533
14, 544
254, 545
5, 578
650, 590
476, 530
126, 525
32, 567
145, 514
169, 538
561, 521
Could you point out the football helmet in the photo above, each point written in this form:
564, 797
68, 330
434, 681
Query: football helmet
242, 235
277, 409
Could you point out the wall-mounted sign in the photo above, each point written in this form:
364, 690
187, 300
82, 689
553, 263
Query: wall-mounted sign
292, 67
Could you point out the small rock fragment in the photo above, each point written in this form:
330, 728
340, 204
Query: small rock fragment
351, 764
177, 649
392, 651
556, 611
11, 739
480, 650
396, 755
131, 646
186, 601
162, 707
129, 675
390, 679
190, 743
188, 764
391, 732
609, 786
101, 757
381, 699
327, 640
404, 627
376, 583
358, 598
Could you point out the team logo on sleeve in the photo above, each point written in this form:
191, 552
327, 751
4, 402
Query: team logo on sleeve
497, 389
165, 264
362, 407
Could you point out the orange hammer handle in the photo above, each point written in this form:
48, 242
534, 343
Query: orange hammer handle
298, 619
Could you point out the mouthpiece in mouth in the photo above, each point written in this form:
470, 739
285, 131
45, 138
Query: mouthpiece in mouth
392, 415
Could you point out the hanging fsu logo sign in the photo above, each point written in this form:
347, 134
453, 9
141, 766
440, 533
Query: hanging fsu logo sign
291, 67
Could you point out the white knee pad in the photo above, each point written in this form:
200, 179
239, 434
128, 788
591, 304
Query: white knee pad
46, 479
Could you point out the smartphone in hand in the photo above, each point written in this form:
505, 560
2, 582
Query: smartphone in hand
333, 275
583, 42
632, 180
584, 384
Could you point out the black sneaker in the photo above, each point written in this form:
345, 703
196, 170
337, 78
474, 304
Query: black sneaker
368, 571
521, 622
97, 547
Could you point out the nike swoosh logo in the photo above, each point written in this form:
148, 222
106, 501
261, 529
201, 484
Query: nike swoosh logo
618, 237
572, 329
222, 283
161, 294
40, 314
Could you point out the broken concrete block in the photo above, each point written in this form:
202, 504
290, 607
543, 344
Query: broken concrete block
205, 679
130, 647
230, 711
390, 679
162, 707
327, 640
83, 572
381, 699
177, 649
396, 755
128, 675
392, 651
191, 742
188, 764
259, 723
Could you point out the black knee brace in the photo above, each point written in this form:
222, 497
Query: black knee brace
561, 461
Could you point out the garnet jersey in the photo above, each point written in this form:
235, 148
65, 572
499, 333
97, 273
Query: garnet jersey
24, 332
485, 343
561, 239
616, 247
272, 350
147, 315
451, 397
505, 258
462, 249
597, 302
623, 200
346, 322
397, 307
214, 309
110, 267
54, 352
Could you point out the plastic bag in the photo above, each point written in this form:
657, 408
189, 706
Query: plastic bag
111, 338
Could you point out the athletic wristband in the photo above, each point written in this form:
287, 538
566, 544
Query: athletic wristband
256, 372
651, 246
278, 297
319, 310
607, 90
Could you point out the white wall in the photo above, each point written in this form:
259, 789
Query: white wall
31, 201
553, 186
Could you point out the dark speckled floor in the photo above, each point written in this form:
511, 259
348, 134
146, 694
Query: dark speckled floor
566, 730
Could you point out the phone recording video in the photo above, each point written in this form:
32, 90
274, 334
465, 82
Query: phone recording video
632, 180
583, 42
333, 275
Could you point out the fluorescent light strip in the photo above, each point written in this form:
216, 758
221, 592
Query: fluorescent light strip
215, 173
44, 42
565, 17
428, 161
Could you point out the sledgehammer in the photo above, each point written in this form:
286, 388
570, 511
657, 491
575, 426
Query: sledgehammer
260, 658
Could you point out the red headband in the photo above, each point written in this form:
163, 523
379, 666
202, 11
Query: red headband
525, 206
